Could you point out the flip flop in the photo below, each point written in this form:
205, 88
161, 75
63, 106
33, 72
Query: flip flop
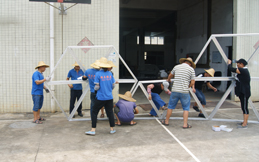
133, 124
117, 124
42, 119
188, 126
163, 122
164, 108
37, 122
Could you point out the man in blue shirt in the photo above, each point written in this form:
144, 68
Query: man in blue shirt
37, 91
90, 75
76, 89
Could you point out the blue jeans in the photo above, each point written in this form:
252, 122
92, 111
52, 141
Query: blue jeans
200, 96
183, 97
37, 102
158, 102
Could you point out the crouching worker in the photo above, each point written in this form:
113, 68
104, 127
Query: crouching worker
154, 90
125, 109
197, 89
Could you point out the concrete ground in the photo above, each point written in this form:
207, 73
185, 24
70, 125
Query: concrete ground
61, 140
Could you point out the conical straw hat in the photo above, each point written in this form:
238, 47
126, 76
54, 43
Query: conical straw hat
94, 65
210, 71
188, 59
127, 96
75, 64
103, 63
40, 64
111, 63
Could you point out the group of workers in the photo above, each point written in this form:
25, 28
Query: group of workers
102, 83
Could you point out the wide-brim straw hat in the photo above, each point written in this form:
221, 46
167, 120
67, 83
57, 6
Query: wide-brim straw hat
40, 64
94, 65
210, 71
188, 59
111, 63
127, 96
103, 63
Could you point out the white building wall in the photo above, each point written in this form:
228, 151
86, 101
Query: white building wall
246, 15
24, 40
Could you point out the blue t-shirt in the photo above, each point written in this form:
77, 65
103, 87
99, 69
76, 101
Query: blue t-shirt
105, 80
126, 113
37, 89
90, 74
74, 75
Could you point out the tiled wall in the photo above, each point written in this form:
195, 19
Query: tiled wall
24, 40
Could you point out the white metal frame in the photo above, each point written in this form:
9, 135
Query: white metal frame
231, 87
70, 50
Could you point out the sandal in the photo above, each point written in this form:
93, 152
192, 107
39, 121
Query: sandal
188, 126
37, 122
164, 108
163, 122
134, 123
41, 119
102, 116
118, 124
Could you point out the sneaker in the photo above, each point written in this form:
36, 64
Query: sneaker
113, 131
90, 133
196, 108
201, 115
241, 127
241, 124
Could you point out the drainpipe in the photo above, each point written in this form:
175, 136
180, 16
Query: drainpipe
51, 22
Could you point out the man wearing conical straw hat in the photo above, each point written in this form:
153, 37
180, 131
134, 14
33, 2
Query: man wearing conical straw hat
75, 89
183, 75
197, 89
104, 84
37, 91
125, 109
90, 75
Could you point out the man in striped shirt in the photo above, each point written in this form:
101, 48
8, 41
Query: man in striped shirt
184, 79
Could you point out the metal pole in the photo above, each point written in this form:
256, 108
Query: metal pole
230, 88
52, 94
220, 49
52, 54
203, 49
199, 103
150, 101
79, 102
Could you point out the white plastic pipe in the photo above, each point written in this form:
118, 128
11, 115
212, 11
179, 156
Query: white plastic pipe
51, 31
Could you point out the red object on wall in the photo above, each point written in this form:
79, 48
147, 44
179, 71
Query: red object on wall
60, 1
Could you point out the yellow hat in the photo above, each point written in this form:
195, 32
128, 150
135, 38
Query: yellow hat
103, 63
40, 64
188, 59
127, 96
210, 71
94, 65
75, 64
111, 63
